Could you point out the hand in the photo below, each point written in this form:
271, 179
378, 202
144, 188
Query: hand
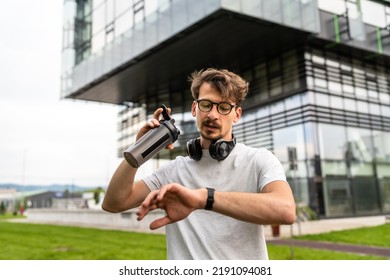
154, 122
176, 200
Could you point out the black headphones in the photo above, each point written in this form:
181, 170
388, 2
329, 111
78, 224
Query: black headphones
219, 149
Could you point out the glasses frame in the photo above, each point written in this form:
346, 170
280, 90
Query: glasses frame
217, 104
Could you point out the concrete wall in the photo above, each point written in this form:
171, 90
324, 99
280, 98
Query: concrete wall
95, 218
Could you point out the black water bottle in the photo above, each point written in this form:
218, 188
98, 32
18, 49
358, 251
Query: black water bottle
153, 141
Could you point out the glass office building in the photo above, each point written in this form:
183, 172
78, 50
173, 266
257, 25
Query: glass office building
319, 79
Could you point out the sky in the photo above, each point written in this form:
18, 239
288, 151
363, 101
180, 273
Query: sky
45, 139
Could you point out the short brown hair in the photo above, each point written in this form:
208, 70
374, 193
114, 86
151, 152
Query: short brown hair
230, 85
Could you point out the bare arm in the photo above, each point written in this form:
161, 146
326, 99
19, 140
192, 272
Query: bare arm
275, 205
123, 192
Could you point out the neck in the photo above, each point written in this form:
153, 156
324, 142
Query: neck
205, 143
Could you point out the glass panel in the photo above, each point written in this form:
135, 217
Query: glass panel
384, 97
263, 112
320, 83
272, 11
150, 7
350, 104
348, 88
360, 145
122, 6
98, 41
385, 110
356, 26
97, 3
338, 198
289, 137
365, 196
336, 102
291, 15
374, 109
293, 102
300, 190
333, 141
251, 7
362, 107
373, 13
384, 186
301, 170
361, 169
333, 6
383, 170
277, 107
311, 140
276, 86
98, 20
361, 92
334, 87
333, 168
322, 99
381, 145
123, 23
109, 11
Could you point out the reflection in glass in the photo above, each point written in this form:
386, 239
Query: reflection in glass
338, 198
360, 145
289, 137
365, 196
385, 194
381, 146
333, 141
333, 168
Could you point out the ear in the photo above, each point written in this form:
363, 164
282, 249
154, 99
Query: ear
193, 109
238, 114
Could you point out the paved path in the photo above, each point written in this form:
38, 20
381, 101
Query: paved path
347, 248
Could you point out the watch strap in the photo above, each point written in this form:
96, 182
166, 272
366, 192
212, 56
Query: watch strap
210, 199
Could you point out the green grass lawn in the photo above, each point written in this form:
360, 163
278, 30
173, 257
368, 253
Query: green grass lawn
20, 241
373, 236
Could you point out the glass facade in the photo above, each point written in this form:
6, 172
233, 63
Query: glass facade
328, 104
343, 159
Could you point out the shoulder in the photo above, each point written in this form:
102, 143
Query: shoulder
260, 157
244, 150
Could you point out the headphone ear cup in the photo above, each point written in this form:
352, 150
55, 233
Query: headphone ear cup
220, 149
194, 149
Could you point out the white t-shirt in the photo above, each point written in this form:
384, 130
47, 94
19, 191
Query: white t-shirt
208, 235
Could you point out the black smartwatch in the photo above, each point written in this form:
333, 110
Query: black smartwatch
210, 198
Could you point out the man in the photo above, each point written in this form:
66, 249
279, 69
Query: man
218, 197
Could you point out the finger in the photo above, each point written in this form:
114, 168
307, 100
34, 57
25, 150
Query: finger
161, 193
160, 223
149, 200
157, 113
170, 147
164, 190
142, 212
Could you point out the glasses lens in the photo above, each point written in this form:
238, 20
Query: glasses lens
224, 108
205, 105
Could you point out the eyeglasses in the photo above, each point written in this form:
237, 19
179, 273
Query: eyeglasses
223, 108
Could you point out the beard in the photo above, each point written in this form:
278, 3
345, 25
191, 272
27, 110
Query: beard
210, 137
210, 131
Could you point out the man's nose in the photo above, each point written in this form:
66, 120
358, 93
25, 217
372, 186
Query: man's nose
213, 113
